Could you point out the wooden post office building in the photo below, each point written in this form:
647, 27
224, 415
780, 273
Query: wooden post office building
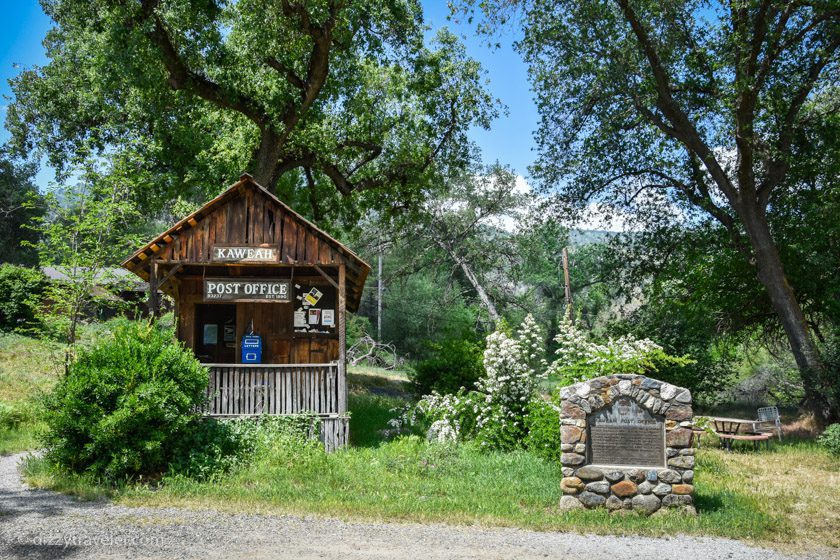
261, 296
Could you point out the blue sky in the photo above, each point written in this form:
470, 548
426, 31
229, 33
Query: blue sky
510, 141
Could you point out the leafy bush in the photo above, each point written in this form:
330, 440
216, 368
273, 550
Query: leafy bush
22, 289
125, 405
494, 413
543, 425
830, 439
455, 363
579, 358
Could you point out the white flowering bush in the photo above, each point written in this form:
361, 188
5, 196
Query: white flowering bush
513, 367
495, 413
579, 358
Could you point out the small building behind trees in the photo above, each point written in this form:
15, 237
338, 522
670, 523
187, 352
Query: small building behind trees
261, 296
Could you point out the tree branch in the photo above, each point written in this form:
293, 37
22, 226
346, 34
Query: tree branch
181, 77
777, 167
679, 126
287, 73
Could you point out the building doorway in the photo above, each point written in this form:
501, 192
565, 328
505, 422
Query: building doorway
215, 333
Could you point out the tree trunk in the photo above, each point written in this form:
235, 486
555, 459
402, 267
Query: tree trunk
266, 159
479, 288
771, 274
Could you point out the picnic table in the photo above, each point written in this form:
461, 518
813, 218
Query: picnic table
738, 429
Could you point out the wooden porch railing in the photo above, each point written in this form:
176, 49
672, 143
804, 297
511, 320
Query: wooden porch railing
252, 389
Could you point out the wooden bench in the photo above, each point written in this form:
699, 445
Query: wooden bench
727, 439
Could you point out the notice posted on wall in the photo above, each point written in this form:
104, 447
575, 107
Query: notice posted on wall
328, 317
314, 316
313, 297
300, 319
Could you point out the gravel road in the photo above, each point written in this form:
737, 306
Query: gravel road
45, 525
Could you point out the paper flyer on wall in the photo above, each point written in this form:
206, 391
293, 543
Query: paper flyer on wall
328, 317
314, 316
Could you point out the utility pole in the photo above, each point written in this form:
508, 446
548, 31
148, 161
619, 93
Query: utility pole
568, 284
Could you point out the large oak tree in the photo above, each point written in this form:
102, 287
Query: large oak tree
349, 96
679, 112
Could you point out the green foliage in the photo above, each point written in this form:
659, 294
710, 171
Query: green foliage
369, 418
22, 290
125, 404
420, 482
20, 203
494, 413
543, 425
184, 94
828, 380
421, 308
358, 327
830, 439
579, 358
84, 236
454, 363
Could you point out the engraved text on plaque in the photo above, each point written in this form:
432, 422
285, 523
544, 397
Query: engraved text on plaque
625, 434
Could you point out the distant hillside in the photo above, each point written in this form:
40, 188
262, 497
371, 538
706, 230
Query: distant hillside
579, 237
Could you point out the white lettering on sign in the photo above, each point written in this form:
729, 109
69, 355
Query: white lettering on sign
246, 289
244, 254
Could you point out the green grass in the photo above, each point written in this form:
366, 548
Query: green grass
783, 497
28, 367
411, 480
22, 438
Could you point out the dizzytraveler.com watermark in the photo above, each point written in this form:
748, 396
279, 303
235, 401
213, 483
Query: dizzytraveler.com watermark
83, 540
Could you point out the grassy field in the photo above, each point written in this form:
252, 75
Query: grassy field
28, 367
787, 497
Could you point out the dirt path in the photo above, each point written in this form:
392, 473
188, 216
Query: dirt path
43, 525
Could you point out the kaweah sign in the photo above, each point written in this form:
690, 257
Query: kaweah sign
247, 289
244, 254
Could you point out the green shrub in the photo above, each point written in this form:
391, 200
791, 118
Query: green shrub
543, 424
455, 363
125, 405
830, 439
22, 289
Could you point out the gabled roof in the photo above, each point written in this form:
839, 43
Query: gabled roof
357, 269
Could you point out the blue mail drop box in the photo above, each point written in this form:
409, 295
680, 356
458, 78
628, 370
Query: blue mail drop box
252, 349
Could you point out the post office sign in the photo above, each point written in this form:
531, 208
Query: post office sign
247, 289
244, 254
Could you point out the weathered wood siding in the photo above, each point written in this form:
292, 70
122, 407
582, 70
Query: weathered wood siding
335, 432
249, 218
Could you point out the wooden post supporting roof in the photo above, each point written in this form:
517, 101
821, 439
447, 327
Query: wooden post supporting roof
153, 289
342, 340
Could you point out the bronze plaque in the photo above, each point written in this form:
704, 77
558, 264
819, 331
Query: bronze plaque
623, 434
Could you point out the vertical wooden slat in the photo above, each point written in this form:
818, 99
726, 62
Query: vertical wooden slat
224, 388
277, 403
249, 380
229, 392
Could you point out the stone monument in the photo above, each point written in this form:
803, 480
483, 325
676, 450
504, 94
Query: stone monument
626, 445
